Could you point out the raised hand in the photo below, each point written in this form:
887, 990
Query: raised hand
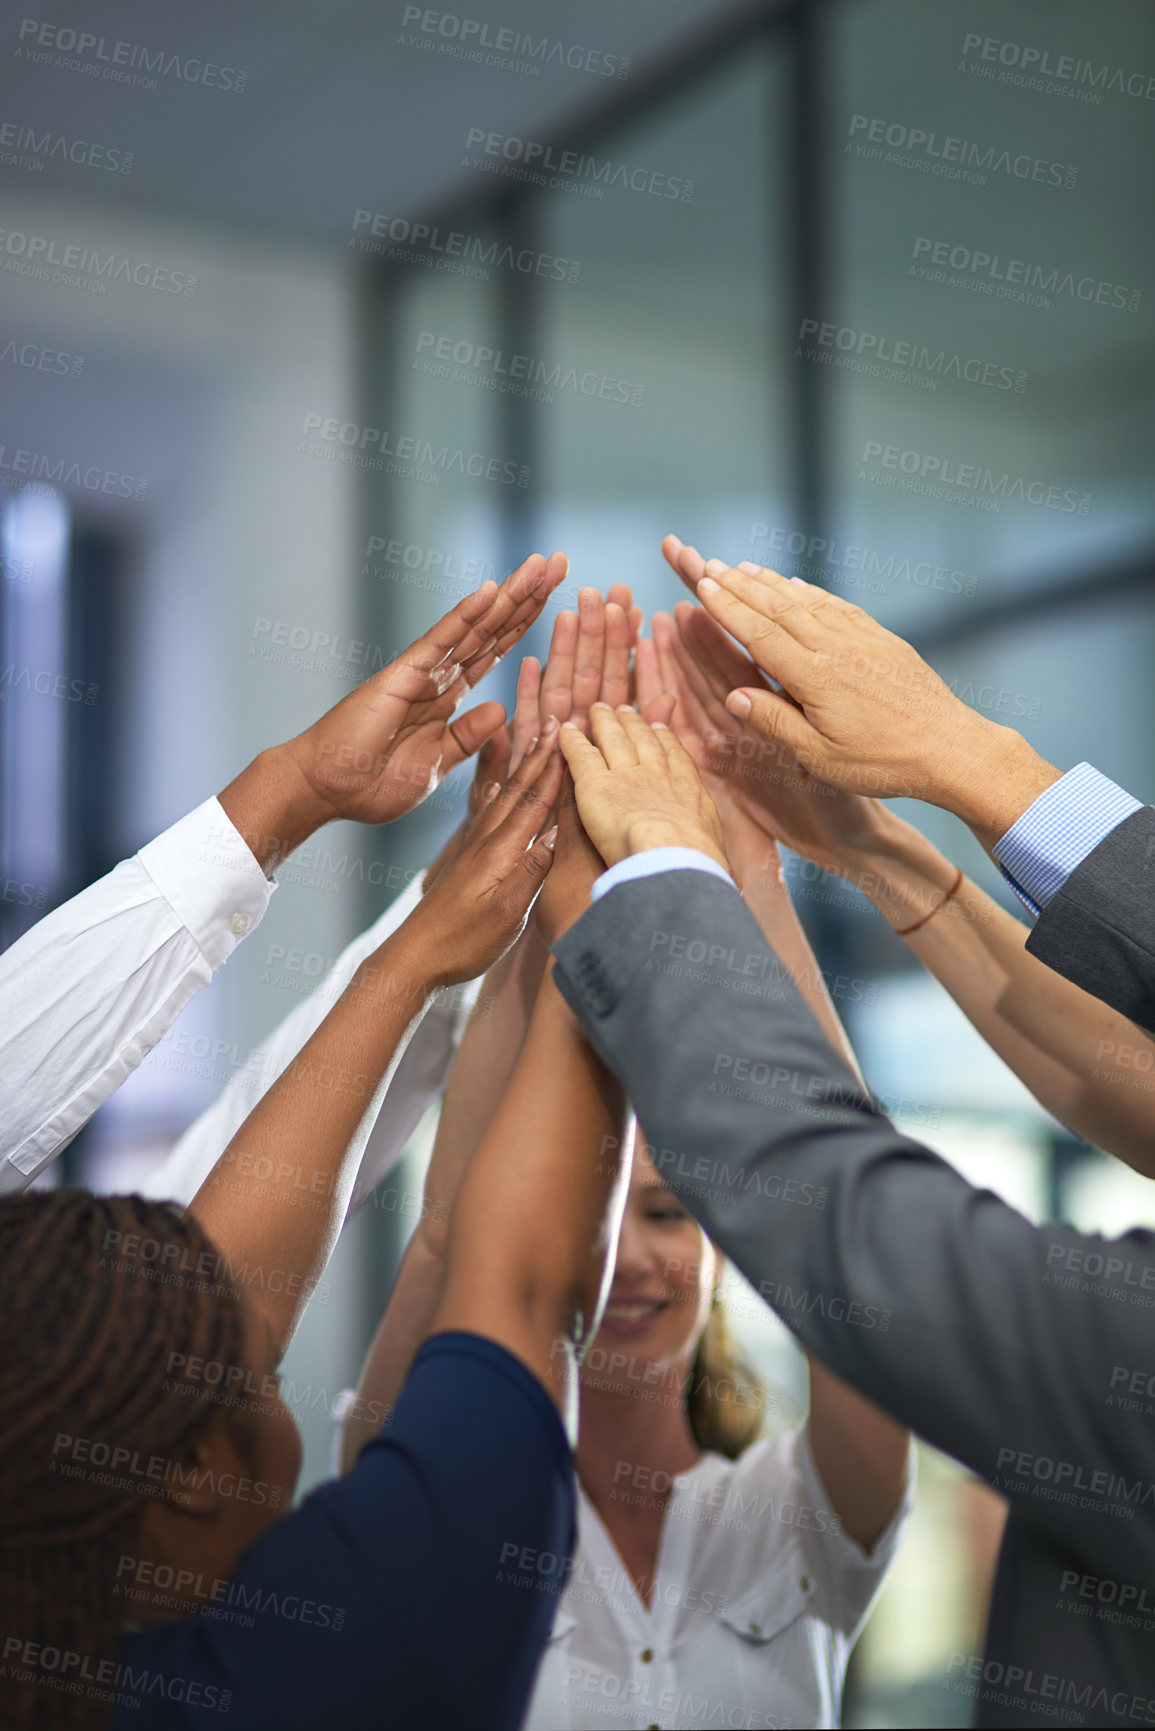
637, 787
378, 752
602, 646
858, 705
850, 689
477, 905
766, 780
590, 658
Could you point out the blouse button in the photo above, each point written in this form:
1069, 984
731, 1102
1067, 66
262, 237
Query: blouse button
239, 923
647, 1655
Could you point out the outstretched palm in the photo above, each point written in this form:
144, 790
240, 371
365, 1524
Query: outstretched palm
764, 780
378, 752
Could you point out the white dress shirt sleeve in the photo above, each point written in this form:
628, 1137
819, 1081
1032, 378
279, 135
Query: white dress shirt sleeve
93, 987
416, 1082
653, 860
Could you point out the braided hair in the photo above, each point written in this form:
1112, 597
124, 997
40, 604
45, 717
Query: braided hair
87, 1336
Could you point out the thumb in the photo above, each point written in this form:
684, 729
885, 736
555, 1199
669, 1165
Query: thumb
538, 859
581, 755
463, 735
775, 717
492, 765
522, 883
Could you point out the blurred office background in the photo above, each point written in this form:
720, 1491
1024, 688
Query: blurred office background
757, 211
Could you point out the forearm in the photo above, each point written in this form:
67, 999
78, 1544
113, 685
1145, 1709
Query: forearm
407, 1320
1059, 1040
533, 1229
275, 1200
273, 807
489, 1049
481, 1070
765, 893
860, 1453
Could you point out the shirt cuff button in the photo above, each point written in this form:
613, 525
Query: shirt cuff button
239, 923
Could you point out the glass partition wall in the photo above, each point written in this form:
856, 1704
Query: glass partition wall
837, 296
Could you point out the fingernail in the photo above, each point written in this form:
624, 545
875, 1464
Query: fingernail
798, 582
490, 790
749, 567
532, 744
599, 705
715, 566
550, 727
738, 704
549, 839
707, 586
624, 708
570, 724
660, 726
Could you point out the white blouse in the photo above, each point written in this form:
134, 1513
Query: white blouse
758, 1599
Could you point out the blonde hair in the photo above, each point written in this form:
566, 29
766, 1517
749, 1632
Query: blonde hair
725, 1402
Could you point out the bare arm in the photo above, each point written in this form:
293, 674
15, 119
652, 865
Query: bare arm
485, 1059
860, 1453
589, 655
534, 1228
758, 869
276, 1198
1088, 1065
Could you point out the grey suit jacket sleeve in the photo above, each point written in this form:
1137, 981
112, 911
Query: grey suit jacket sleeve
1005, 1344
1099, 930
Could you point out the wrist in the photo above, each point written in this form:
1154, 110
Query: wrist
272, 806
645, 834
410, 966
992, 778
902, 872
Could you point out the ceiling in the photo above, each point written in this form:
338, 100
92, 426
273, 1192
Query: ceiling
345, 106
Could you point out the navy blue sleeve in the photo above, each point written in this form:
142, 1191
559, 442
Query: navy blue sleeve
417, 1591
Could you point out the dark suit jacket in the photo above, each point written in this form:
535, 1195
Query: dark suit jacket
1100, 929
1026, 1352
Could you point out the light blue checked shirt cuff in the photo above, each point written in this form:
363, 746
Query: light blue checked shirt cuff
1055, 834
656, 859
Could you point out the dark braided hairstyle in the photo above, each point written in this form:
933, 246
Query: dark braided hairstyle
86, 1338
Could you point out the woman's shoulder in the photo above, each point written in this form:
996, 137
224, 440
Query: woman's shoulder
776, 1458
772, 1494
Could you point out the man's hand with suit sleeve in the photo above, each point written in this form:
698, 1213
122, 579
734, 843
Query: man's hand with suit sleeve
861, 709
637, 788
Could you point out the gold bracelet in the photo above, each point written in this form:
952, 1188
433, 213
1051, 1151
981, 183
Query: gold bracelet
953, 890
